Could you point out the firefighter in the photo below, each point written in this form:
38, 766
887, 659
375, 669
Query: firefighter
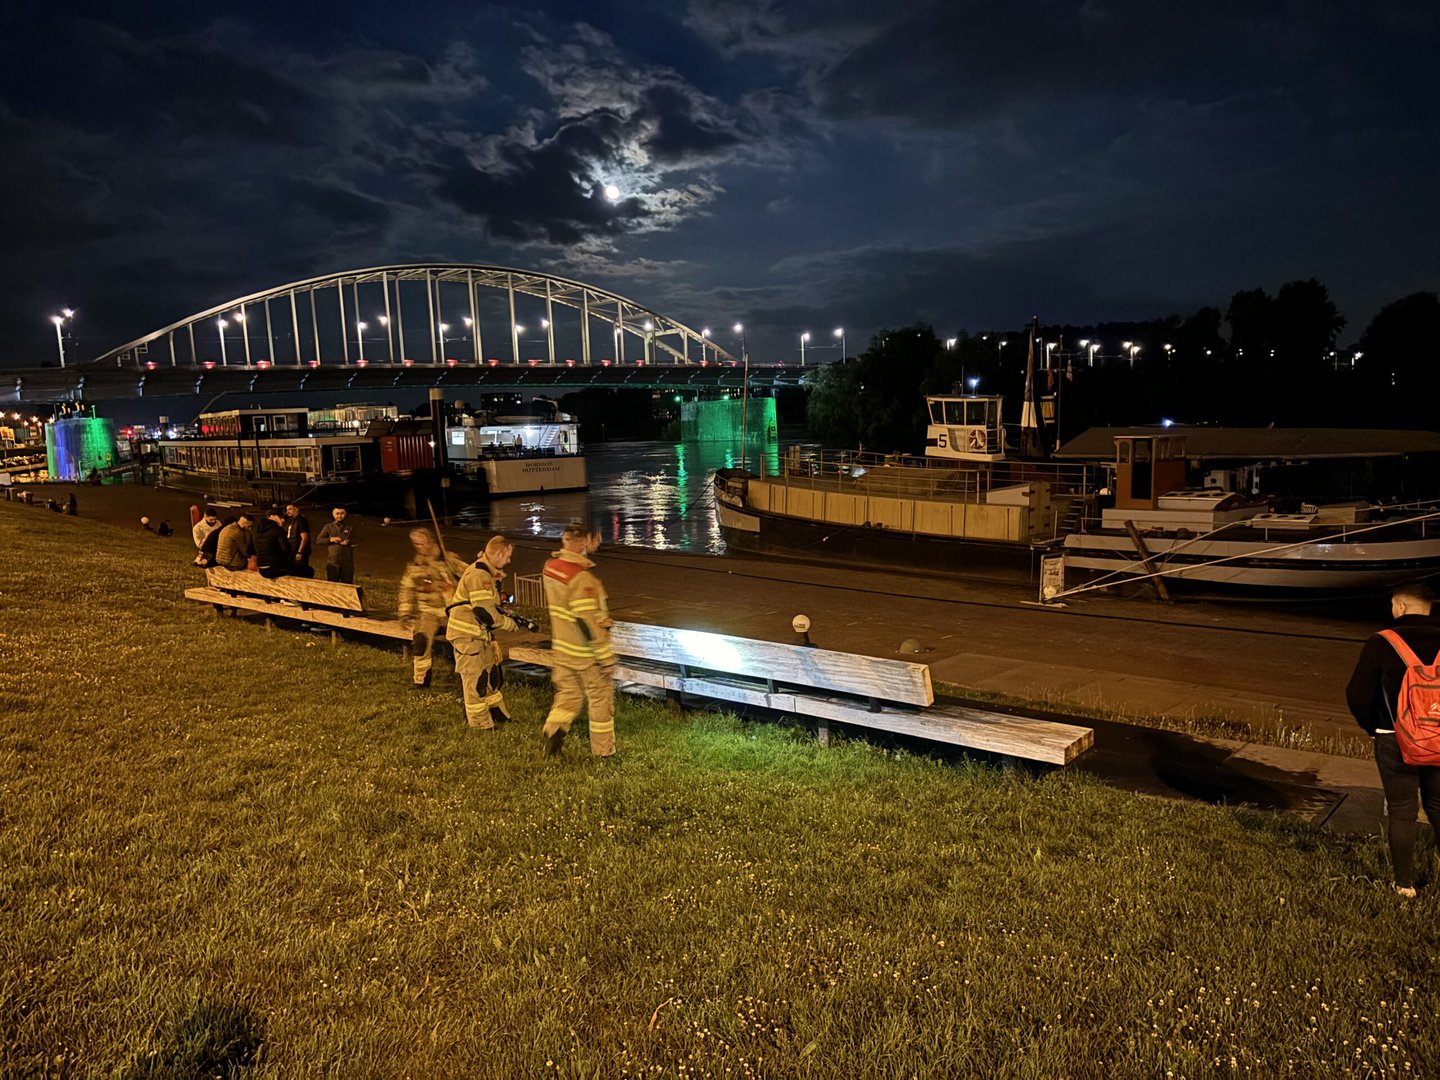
476, 616
425, 588
582, 661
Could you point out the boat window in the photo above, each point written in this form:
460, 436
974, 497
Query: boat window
1142, 450
1124, 452
937, 411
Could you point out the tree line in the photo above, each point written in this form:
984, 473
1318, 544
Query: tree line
1265, 360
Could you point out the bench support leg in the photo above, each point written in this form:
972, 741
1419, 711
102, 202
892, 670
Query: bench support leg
334, 637
269, 623
822, 732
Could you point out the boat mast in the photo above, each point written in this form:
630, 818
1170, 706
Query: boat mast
1032, 445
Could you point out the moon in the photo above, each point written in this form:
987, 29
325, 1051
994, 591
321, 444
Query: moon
612, 193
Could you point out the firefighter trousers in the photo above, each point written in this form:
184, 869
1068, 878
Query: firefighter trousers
480, 674
427, 629
577, 687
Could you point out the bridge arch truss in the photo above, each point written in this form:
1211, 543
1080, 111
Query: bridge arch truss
447, 313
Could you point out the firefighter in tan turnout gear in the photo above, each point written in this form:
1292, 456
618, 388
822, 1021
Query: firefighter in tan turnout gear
425, 590
475, 618
582, 661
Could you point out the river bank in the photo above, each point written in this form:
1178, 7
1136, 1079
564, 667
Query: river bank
1250, 670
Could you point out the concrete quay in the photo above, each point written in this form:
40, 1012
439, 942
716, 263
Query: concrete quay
1100, 659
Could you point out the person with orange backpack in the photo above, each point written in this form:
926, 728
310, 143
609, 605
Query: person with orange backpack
1394, 694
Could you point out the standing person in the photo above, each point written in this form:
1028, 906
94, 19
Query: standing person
1372, 695
72, 505
582, 661
338, 540
203, 528
475, 618
297, 531
233, 549
426, 588
272, 550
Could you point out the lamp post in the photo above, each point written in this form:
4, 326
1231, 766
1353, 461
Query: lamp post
744, 394
704, 340
384, 320
221, 323
803, 339
59, 321
1168, 350
360, 327
840, 333
1092, 347
442, 327
245, 333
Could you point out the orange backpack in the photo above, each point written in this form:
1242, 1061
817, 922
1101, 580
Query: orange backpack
1417, 712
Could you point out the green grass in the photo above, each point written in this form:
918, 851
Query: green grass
226, 852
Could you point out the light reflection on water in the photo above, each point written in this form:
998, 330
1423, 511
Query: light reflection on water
642, 494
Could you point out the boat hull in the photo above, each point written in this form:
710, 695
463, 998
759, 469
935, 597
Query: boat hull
531, 475
745, 529
1262, 564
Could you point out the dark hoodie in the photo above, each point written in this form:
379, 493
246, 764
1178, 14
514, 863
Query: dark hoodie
272, 550
1375, 685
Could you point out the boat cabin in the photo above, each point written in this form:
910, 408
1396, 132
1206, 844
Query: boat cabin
964, 428
1147, 467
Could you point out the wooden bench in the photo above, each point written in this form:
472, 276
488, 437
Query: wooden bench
824, 685
330, 603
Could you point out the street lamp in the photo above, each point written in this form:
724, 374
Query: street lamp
973, 382
360, 327
221, 323
744, 393
59, 321
245, 333
951, 342
384, 320
803, 339
1091, 347
840, 333
704, 338
1168, 350
1132, 348
443, 327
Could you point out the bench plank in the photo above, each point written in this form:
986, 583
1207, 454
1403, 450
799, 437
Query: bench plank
955, 725
308, 591
363, 624
842, 673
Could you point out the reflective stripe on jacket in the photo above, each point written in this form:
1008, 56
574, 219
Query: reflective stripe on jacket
475, 610
579, 612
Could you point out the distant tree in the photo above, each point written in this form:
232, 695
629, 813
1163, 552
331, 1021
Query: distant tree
832, 414
892, 376
1398, 361
1305, 325
1251, 316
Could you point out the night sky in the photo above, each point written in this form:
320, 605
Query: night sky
797, 166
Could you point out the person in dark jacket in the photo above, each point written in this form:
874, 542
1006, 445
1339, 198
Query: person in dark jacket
1372, 694
297, 531
272, 550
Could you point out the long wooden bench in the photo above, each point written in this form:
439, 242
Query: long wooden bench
329, 603
823, 685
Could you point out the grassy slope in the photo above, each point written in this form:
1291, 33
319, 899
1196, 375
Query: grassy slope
220, 846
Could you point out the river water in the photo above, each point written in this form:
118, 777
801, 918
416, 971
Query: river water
642, 494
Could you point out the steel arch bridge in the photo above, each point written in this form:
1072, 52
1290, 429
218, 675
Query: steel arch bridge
323, 321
